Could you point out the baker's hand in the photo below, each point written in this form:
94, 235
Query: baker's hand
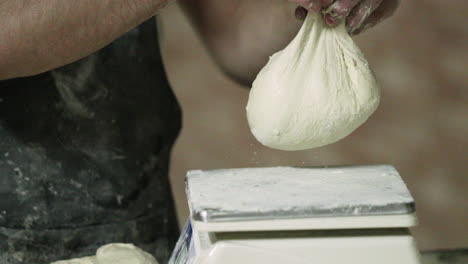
359, 14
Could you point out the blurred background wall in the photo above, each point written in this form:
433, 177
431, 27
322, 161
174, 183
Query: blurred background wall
420, 58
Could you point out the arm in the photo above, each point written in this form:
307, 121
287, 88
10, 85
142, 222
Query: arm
39, 35
242, 34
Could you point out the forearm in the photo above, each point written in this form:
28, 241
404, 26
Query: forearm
242, 34
39, 35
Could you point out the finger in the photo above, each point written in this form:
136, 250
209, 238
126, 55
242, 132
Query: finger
384, 11
300, 13
360, 13
311, 5
338, 11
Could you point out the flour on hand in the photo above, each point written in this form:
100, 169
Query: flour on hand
315, 92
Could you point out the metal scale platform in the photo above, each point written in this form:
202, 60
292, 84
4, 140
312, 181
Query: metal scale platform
355, 214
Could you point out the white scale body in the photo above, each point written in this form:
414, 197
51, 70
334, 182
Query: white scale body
353, 214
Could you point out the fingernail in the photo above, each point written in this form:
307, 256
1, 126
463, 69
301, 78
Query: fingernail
362, 28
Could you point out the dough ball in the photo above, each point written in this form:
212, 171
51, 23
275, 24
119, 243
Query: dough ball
315, 92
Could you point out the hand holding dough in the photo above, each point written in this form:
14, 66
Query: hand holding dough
315, 92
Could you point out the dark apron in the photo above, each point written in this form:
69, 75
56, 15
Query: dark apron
84, 153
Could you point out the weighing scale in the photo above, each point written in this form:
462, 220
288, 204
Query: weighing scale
329, 215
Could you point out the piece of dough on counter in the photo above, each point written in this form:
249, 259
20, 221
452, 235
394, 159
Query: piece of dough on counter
85, 260
123, 254
315, 92
116, 253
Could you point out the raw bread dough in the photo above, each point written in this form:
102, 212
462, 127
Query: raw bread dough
115, 254
86, 260
315, 92
123, 254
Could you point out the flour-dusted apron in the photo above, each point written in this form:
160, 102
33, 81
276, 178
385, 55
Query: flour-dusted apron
84, 153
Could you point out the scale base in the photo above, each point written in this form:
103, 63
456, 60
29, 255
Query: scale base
305, 247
